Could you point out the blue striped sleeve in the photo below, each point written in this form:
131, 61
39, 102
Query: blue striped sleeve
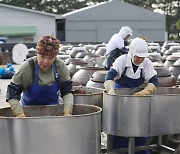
154, 80
111, 74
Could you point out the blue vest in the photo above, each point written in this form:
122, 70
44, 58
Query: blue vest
41, 95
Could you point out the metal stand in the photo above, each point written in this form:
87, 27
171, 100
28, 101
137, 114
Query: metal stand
131, 149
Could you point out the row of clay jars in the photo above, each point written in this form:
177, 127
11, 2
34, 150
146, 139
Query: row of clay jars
175, 69
169, 77
171, 63
168, 45
165, 78
173, 49
81, 77
171, 59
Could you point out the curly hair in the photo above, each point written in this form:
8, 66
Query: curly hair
48, 45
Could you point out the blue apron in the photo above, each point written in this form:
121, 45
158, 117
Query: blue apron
126, 82
41, 95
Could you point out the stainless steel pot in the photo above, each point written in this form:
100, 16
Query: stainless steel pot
127, 115
45, 131
85, 95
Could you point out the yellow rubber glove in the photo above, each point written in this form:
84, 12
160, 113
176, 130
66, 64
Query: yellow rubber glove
146, 91
68, 104
109, 86
66, 114
16, 108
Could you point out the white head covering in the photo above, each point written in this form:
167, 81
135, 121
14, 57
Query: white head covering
124, 31
138, 47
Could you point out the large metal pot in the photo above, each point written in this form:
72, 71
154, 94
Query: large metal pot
138, 116
85, 95
46, 131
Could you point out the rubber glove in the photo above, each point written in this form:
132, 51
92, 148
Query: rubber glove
16, 108
68, 104
146, 91
109, 86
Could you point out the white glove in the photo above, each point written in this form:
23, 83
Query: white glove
68, 104
146, 91
109, 86
16, 108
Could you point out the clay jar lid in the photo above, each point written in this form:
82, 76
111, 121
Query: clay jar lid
162, 71
89, 56
99, 76
80, 54
101, 51
167, 81
89, 47
170, 52
155, 57
173, 57
177, 63
74, 60
81, 77
75, 50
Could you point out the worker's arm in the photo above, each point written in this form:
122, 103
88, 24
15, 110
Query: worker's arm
109, 81
151, 87
12, 97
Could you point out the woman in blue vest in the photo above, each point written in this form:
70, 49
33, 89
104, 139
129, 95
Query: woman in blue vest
42, 80
133, 70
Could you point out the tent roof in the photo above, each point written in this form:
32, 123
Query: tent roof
17, 30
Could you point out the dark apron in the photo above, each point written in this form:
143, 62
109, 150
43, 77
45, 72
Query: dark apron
41, 95
126, 82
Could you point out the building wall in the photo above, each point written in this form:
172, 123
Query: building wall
100, 22
13, 17
101, 31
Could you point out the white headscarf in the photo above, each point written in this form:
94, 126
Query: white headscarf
138, 47
124, 31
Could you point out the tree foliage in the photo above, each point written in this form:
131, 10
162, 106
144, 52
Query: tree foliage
168, 7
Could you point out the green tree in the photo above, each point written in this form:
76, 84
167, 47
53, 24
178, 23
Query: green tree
31, 4
178, 27
63, 6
